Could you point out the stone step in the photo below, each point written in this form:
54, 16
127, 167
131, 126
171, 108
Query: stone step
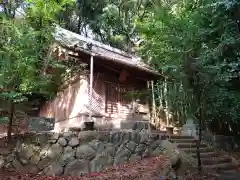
229, 175
190, 145
174, 137
221, 167
229, 172
216, 160
193, 150
206, 154
183, 140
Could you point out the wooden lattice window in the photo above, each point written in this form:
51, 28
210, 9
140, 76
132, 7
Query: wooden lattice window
117, 93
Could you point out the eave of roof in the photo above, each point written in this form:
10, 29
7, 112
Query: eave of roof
79, 43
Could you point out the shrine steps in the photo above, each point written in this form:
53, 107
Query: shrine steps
207, 155
191, 145
212, 160
229, 175
194, 150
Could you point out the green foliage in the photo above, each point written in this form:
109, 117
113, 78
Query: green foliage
18, 58
137, 94
197, 46
42, 13
194, 43
24, 53
4, 120
114, 22
9, 8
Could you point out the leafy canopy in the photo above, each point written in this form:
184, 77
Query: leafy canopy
196, 44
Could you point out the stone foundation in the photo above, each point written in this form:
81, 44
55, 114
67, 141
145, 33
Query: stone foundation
136, 125
40, 124
77, 153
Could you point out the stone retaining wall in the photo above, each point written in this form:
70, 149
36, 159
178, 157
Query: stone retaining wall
77, 153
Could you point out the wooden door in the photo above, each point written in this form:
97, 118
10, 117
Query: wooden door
117, 100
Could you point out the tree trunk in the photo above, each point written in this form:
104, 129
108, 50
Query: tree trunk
198, 145
199, 116
9, 132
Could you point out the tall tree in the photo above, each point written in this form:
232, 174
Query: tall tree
24, 56
113, 21
196, 43
18, 56
10, 7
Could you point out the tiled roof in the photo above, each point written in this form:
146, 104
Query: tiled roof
75, 41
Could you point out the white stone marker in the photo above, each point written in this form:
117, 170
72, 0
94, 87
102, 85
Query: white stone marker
189, 129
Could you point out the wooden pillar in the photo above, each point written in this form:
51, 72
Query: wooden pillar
91, 88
